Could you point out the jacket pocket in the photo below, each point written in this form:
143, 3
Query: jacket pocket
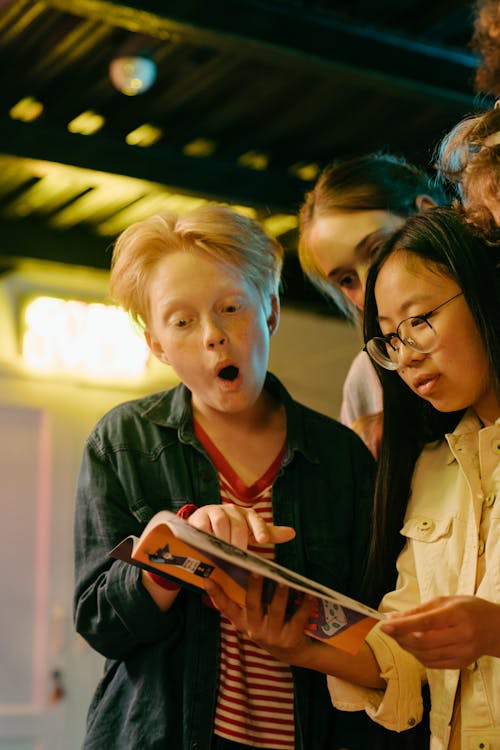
436, 553
426, 529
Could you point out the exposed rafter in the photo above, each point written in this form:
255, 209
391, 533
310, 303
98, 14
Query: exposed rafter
251, 99
287, 31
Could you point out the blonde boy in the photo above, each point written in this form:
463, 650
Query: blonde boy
230, 449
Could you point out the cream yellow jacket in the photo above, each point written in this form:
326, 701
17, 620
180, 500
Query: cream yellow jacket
452, 530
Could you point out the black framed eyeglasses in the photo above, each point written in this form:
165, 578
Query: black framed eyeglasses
416, 333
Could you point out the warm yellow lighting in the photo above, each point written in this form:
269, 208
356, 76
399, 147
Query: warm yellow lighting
245, 211
306, 172
144, 135
87, 123
279, 224
90, 340
200, 147
254, 160
151, 204
27, 109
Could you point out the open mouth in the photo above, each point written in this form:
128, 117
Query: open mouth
229, 373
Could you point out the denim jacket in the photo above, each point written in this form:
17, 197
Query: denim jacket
159, 687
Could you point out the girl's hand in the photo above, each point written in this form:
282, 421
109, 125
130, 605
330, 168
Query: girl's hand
283, 636
448, 632
239, 526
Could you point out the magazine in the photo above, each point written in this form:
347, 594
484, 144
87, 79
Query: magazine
171, 547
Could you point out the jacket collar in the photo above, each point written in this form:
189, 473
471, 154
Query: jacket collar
173, 409
470, 423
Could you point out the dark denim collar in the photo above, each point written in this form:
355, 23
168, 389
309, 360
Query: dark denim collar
173, 409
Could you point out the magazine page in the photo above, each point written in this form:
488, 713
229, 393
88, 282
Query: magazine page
172, 547
253, 563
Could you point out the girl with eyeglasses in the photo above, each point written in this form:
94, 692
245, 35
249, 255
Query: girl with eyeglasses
431, 307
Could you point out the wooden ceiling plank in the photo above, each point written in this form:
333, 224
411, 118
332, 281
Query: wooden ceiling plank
208, 177
18, 17
282, 32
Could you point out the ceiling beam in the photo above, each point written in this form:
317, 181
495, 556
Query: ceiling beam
285, 32
32, 239
211, 178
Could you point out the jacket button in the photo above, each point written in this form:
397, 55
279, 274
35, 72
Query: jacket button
411, 721
480, 547
481, 745
495, 446
425, 525
490, 500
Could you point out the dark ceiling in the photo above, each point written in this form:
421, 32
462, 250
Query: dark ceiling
251, 99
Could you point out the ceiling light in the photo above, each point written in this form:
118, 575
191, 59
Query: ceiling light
27, 109
254, 160
200, 147
306, 172
144, 135
132, 75
86, 123
279, 224
92, 340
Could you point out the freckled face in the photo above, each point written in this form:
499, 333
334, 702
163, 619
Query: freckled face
336, 243
210, 325
455, 375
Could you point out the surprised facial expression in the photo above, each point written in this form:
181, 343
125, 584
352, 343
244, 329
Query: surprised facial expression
211, 326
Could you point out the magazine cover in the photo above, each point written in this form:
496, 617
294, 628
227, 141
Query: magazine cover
172, 547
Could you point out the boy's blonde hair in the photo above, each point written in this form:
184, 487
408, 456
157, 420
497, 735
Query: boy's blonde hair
235, 241
468, 158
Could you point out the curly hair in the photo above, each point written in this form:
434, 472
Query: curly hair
468, 159
486, 41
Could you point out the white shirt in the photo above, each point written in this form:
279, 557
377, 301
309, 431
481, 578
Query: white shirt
452, 530
362, 392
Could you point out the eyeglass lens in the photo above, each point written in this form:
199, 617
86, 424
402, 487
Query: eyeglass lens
415, 333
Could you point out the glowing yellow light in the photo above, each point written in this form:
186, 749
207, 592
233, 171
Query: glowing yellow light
245, 211
306, 172
254, 160
144, 135
26, 109
279, 224
87, 123
92, 340
200, 147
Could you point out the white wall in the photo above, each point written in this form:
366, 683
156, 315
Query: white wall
311, 354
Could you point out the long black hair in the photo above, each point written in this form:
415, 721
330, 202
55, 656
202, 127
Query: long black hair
442, 239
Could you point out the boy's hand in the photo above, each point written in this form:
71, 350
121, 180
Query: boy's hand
448, 632
239, 526
269, 625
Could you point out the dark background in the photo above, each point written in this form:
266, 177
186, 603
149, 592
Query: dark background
251, 99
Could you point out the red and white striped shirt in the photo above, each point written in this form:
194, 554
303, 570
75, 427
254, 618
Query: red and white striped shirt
255, 703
